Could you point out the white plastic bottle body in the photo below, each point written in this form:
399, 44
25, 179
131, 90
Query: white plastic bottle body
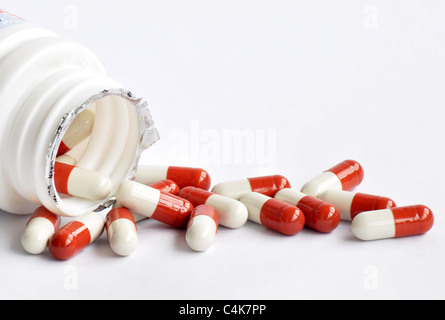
45, 81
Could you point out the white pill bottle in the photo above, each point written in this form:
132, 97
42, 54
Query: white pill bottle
45, 81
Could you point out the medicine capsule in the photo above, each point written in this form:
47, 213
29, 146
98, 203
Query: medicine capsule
39, 229
272, 213
79, 130
202, 227
76, 235
351, 204
166, 185
232, 213
319, 215
392, 223
121, 231
344, 176
267, 185
150, 202
66, 159
183, 176
80, 182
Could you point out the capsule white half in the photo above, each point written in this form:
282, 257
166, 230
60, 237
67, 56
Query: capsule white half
232, 213
342, 200
39, 229
138, 197
79, 130
123, 237
202, 228
233, 189
374, 225
121, 231
325, 181
201, 234
36, 236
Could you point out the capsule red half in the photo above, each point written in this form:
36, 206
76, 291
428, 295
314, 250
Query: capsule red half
182, 176
344, 176
274, 214
166, 185
76, 235
319, 215
172, 210
349, 172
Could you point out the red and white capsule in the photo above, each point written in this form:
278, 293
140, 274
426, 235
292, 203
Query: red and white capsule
152, 203
232, 213
202, 227
344, 176
76, 235
80, 182
267, 185
319, 215
351, 204
166, 186
183, 176
121, 231
272, 213
393, 222
39, 229
79, 129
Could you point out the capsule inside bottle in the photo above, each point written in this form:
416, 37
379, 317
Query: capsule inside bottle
110, 150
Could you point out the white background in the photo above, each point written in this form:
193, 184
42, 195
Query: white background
310, 83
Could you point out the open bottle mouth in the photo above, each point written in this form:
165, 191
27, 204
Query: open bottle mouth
122, 129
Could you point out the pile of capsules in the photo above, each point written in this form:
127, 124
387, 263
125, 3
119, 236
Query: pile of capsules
180, 197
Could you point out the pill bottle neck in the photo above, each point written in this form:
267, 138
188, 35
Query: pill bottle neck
122, 130
45, 82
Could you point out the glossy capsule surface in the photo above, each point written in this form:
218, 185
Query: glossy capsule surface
351, 204
80, 182
166, 185
267, 185
153, 203
319, 215
392, 223
121, 229
344, 176
273, 214
182, 176
232, 213
39, 229
202, 227
79, 129
72, 238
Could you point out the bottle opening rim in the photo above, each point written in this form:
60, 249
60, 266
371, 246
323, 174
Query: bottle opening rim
123, 129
